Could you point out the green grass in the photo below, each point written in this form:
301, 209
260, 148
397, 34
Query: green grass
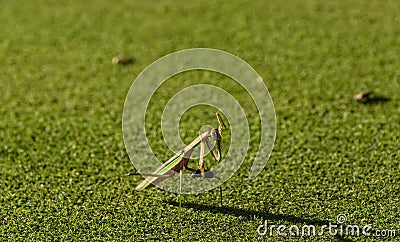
62, 154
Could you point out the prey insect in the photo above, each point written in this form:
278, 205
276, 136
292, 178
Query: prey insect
174, 165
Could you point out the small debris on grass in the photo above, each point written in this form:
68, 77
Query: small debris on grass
122, 60
363, 97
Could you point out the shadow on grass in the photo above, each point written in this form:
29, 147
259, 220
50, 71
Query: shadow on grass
251, 214
376, 99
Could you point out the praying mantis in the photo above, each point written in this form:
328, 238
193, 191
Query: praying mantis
174, 165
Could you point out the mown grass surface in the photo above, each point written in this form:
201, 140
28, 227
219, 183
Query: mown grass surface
62, 154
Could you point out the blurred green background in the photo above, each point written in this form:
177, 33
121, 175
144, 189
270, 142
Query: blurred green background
62, 155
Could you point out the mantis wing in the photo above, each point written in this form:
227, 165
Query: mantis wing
171, 166
161, 173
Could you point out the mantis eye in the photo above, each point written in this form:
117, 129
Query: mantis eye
215, 134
